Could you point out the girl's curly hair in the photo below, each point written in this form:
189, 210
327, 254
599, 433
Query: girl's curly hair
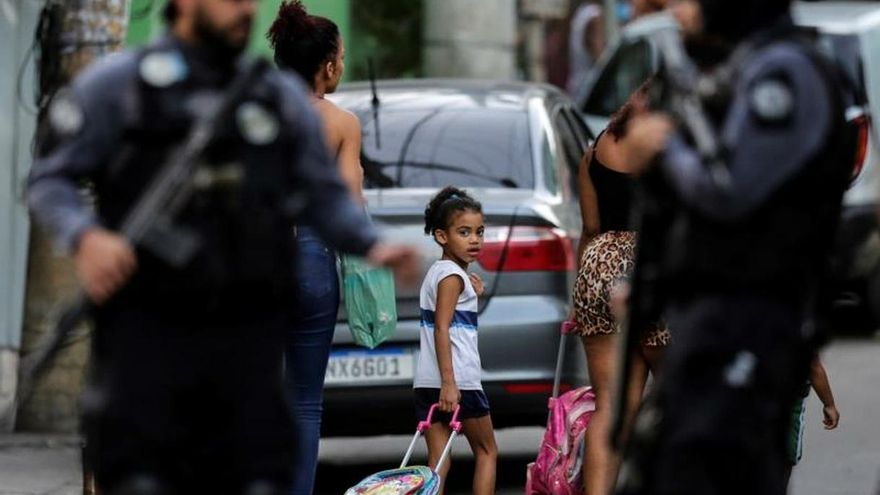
451, 199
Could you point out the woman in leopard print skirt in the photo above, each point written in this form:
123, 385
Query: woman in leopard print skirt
606, 254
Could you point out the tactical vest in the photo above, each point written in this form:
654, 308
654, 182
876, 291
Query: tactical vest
780, 250
237, 214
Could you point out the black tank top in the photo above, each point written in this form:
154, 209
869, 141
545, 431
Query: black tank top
614, 192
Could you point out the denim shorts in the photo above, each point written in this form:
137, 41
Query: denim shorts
474, 404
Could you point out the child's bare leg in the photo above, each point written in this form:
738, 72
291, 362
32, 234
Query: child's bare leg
481, 436
436, 437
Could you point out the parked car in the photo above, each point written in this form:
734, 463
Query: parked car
516, 148
850, 33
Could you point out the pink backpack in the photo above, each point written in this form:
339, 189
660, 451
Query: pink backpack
557, 470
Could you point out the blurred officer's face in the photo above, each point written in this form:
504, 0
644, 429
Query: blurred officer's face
226, 23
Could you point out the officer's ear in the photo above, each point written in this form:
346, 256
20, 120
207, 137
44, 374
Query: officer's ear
329, 69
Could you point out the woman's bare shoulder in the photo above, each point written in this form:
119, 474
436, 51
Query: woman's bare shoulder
338, 117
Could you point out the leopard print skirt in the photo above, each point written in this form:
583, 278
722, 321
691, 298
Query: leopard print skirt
608, 259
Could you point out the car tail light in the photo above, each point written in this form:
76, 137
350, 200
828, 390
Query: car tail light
526, 249
534, 388
861, 123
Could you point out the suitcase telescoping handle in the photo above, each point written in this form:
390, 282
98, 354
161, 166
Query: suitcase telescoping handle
566, 328
424, 426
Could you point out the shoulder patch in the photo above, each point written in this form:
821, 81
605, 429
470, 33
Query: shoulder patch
162, 69
771, 101
65, 114
256, 124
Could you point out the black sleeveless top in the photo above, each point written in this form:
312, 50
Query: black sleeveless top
614, 192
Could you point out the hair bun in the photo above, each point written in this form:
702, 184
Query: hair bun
292, 21
448, 199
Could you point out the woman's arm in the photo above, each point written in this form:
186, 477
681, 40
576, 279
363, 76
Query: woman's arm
448, 291
350, 155
589, 205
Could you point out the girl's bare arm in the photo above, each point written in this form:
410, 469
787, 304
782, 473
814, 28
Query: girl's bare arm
448, 291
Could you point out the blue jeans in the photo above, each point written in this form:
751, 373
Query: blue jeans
307, 352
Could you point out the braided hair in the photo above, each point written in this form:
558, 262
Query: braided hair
303, 42
438, 213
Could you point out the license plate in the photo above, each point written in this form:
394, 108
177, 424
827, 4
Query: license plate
369, 366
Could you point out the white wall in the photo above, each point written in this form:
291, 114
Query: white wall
467, 38
17, 22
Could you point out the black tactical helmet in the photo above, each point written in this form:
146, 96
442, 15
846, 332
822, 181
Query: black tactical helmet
736, 19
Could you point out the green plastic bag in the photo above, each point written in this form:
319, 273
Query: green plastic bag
370, 301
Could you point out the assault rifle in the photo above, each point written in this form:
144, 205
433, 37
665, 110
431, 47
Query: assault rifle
150, 222
653, 216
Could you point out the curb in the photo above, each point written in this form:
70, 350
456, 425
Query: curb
10, 441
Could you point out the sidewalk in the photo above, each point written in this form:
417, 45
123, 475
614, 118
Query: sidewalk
39, 464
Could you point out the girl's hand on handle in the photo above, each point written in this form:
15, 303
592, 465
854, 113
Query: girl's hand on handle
477, 282
449, 397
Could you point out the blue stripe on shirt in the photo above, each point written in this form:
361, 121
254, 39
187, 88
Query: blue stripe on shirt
460, 319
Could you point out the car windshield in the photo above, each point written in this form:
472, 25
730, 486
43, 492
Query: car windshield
435, 147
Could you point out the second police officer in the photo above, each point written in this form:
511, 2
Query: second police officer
745, 253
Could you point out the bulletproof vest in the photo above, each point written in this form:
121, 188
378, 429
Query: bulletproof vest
778, 251
236, 211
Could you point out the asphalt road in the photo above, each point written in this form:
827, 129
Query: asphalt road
845, 461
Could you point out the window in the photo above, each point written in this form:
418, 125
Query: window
572, 145
548, 164
434, 147
627, 70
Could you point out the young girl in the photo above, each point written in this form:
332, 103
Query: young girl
449, 367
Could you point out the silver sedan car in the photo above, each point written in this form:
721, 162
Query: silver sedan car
516, 148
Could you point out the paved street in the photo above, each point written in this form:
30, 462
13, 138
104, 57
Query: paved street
841, 462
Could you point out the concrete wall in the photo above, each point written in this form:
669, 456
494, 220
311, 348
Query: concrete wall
467, 38
17, 22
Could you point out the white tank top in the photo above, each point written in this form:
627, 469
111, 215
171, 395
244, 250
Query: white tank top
462, 332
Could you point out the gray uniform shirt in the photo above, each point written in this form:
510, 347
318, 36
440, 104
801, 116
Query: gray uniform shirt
88, 121
779, 120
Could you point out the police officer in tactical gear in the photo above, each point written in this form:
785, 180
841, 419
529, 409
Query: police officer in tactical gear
746, 248
187, 395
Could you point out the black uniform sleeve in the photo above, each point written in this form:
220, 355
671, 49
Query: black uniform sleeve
328, 205
778, 122
85, 125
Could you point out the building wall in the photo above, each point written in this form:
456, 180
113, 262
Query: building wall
464, 38
17, 22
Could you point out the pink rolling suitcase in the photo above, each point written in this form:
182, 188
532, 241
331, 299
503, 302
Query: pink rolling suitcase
406, 480
557, 470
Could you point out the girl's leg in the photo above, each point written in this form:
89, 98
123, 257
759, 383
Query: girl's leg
481, 436
307, 352
436, 437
